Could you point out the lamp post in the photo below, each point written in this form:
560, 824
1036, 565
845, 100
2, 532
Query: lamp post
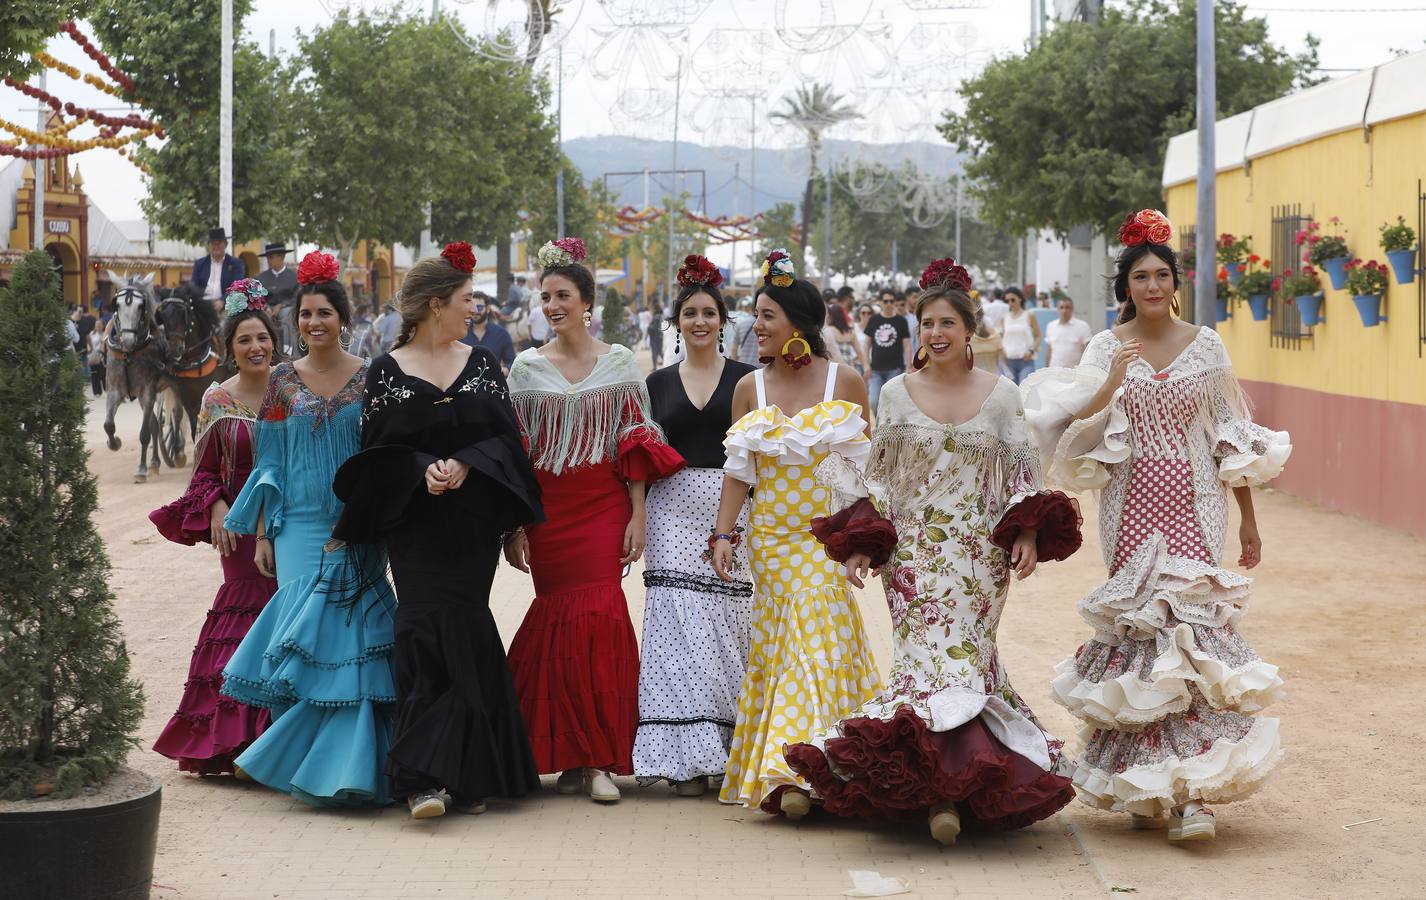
41, 170
1205, 289
225, 126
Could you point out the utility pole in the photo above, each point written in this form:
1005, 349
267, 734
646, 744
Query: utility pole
644, 241
677, 96
1205, 287
958, 220
827, 228
424, 250
559, 132
225, 126
733, 263
42, 167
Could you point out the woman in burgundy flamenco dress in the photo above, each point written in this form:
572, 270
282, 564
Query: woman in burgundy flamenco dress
209, 730
949, 507
584, 411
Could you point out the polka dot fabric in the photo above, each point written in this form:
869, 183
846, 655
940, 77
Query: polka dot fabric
1160, 499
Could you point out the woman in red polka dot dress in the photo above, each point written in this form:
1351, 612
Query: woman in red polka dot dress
1155, 420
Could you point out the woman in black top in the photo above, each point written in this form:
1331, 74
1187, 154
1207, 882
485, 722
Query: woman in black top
440, 478
696, 627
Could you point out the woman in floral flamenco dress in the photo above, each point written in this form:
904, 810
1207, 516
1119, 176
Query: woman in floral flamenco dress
808, 665
951, 505
1155, 420
209, 730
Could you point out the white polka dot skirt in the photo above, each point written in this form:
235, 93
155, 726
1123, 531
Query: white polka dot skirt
696, 635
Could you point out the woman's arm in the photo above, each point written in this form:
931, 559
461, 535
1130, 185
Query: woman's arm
1125, 354
1035, 330
1248, 530
634, 531
851, 387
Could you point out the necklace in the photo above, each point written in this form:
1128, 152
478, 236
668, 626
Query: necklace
318, 371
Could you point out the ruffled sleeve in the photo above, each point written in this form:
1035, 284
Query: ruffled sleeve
262, 495
1054, 516
1247, 454
185, 520
835, 426
643, 456
1076, 453
858, 528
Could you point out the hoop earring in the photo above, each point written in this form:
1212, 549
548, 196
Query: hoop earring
970, 357
1174, 307
919, 360
801, 358
344, 337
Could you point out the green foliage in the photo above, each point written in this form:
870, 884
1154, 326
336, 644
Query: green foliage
1074, 131
615, 324
1397, 237
25, 29
69, 707
779, 231
1232, 249
1366, 278
1301, 283
1255, 282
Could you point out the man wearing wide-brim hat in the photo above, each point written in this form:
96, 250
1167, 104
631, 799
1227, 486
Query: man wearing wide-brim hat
215, 272
280, 281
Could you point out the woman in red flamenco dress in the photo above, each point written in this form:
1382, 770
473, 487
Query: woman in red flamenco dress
584, 412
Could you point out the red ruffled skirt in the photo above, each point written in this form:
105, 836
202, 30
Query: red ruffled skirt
899, 769
575, 659
209, 729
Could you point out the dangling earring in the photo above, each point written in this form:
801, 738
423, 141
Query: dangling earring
677, 342
802, 357
970, 357
918, 361
588, 318
302, 345
344, 337
721, 345
1174, 307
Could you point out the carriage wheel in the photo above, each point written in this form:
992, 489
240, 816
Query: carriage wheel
162, 432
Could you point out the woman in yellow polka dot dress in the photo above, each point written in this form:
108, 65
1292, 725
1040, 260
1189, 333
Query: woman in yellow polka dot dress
808, 665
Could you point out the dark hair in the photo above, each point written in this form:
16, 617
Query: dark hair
966, 309
845, 291
583, 280
837, 318
1125, 263
230, 330
1018, 293
334, 293
883, 292
802, 303
690, 291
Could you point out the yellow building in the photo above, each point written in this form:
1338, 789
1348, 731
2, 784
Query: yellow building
1353, 397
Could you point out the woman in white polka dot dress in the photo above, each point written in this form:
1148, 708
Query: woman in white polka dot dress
696, 626
809, 664
1155, 420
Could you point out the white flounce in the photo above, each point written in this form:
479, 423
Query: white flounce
1075, 453
832, 425
1136, 603
1229, 771
1256, 454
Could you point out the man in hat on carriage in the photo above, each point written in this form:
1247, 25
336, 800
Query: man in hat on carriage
215, 272
281, 284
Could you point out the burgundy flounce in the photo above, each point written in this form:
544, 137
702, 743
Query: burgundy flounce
185, 520
1056, 517
643, 457
899, 769
857, 529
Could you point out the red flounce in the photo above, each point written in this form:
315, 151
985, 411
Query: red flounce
898, 770
857, 529
185, 520
1056, 517
643, 457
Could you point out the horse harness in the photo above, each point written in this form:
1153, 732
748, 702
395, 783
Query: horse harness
144, 343
206, 364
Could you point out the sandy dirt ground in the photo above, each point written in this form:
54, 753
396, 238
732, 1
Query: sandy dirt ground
1338, 604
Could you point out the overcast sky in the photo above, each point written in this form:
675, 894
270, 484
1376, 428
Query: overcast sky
899, 64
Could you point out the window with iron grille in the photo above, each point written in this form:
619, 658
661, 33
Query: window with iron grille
1187, 235
1287, 329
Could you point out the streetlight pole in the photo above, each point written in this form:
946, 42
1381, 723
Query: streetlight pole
559, 133
827, 228
225, 126
425, 247
958, 221
41, 170
677, 96
1205, 286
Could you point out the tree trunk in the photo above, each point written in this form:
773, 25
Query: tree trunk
503, 278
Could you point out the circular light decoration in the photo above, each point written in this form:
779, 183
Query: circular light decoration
513, 30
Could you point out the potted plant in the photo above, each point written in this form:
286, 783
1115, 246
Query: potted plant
1399, 242
1225, 293
1366, 281
73, 821
1329, 251
1232, 252
1303, 288
1257, 286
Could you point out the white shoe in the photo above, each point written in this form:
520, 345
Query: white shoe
795, 804
945, 825
426, 805
600, 786
571, 781
1192, 822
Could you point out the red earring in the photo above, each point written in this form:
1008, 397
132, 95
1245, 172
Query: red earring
918, 362
970, 357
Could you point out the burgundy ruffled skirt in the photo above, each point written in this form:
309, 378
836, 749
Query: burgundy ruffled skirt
209, 730
899, 770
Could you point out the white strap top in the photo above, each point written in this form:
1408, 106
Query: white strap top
827, 392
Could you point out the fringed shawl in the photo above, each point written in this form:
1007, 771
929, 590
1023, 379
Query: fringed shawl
221, 417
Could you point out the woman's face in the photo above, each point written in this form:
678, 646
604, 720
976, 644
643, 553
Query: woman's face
943, 333
699, 322
252, 346
318, 322
562, 304
452, 319
1151, 287
1016, 301
772, 327
863, 315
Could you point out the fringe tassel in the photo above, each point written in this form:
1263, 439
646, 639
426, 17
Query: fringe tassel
318, 455
566, 431
905, 463
1166, 414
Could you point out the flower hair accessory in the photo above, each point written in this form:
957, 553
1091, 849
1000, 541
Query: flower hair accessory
946, 272
777, 269
1145, 226
317, 268
244, 295
460, 255
699, 270
563, 252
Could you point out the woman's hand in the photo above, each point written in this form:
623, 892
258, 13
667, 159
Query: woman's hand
455, 472
858, 567
224, 541
633, 540
517, 551
264, 560
1127, 352
436, 478
1252, 545
1023, 553
723, 559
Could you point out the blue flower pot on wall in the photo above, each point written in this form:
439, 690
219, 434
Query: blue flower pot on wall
1258, 304
1369, 308
1309, 307
1235, 272
1403, 264
1336, 270
1225, 309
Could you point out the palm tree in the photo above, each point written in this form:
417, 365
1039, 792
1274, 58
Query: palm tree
813, 110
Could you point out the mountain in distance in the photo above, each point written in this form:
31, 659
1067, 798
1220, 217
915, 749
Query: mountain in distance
728, 170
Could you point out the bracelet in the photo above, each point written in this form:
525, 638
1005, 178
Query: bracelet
263, 538
734, 539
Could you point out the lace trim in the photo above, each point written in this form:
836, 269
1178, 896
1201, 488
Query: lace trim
703, 720
674, 579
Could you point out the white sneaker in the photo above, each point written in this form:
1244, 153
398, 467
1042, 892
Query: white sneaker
600, 786
1192, 822
426, 805
571, 781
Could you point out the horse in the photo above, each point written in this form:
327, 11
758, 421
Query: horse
135, 362
189, 325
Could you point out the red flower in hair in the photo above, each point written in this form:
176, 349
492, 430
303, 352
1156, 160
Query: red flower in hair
946, 272
699, 270
573, 246
1131, 233
460, 256
317, 268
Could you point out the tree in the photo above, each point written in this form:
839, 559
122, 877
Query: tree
69, 708
1074, 131
688, 237
812, 111
778, 230
25, 29
615, 325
